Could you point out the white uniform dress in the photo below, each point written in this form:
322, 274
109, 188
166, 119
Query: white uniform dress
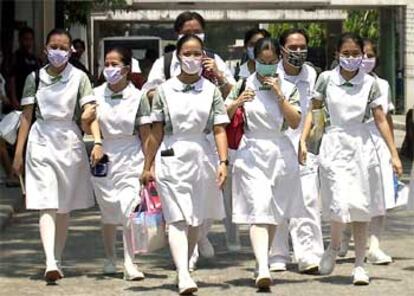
186, 180
384, 155
57, 166
119, 116
265, 169
306, 232
349, 165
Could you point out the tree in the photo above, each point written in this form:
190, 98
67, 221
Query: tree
316, 31
365, 23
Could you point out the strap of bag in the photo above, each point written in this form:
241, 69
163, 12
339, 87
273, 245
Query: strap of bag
167, 65
37, 82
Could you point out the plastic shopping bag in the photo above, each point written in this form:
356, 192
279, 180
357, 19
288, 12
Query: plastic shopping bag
147, 224
9, 127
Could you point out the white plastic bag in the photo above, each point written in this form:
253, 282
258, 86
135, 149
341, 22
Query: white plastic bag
9, 126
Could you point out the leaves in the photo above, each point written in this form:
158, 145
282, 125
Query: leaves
316, 31
363, 22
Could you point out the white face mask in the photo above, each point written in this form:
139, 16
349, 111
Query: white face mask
368, 64
191, 65
202, 36
250, 52
113, 74
350, 64
57, 57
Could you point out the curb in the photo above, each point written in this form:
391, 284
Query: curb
11, 201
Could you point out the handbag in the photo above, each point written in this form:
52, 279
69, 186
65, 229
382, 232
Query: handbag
147, 223
235, 129
9, 126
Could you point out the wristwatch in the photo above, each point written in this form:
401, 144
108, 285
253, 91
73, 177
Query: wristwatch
99, 143
226, 162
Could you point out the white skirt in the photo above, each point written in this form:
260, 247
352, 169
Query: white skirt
186, 181
266, 181
117, 194
350, 176
57, 168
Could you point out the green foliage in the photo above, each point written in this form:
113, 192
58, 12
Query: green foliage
78, 12
363, 22
316, 31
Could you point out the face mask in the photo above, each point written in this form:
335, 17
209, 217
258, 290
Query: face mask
191, 65
113, 74
250, 52
296, 58
202, 36
265, 70
350, 64
57, 57
368, 64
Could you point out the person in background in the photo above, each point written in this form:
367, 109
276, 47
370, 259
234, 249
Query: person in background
306, 231
76, 56
57, 169
250, 39
189, 175
348, 164
22, 64
169, 48
146, 64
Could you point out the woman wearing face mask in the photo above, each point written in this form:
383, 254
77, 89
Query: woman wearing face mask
250, 39
348, 162
57, 168
188, 173
265, 169
122, 113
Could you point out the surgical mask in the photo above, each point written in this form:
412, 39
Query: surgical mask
296, 58
265, 70
250, 52
57, 57
368, 64
113, 74
191, 65
350, 64
202, 36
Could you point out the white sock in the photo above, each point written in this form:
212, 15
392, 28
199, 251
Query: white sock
62, 225
109, 240
259, 236
178, 240
47, 226
129, 254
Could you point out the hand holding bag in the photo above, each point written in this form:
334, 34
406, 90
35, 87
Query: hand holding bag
235, 129
147, 224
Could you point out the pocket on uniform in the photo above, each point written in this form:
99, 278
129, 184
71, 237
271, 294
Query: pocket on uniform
168, 168
37, 152
78, 155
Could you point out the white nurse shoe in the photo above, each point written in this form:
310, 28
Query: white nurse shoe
109, 267
361, 277
308, 267
328, 261
263, 280
53, 273
186, 285
131, 273
378, 257
277, 266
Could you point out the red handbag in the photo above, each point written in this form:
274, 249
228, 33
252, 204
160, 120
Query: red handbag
235, 129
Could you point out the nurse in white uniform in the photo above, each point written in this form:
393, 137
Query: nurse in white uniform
306, 232
124, 118
57, 167
348, 162
265, 171
189, 175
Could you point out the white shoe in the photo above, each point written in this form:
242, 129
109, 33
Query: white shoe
186, 285
131, 273
109, 267
378, 257
263, 280
205, 248
308, 267
53, 273
277, 266
346, 238
360, 277
328, 261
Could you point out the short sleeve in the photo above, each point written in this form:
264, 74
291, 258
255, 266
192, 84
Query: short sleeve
85, 94
219, 110
221, 65
144, 112
374, 95
158, 104
319, 92
29, 90
294, 99
234, 93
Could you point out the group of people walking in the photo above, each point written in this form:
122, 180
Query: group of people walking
173, 131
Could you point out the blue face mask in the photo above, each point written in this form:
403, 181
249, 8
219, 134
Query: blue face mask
265, 70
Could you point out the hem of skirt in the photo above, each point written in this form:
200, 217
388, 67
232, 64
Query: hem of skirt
192, 222
60, 211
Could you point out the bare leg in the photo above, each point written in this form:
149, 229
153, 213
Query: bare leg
62, 226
